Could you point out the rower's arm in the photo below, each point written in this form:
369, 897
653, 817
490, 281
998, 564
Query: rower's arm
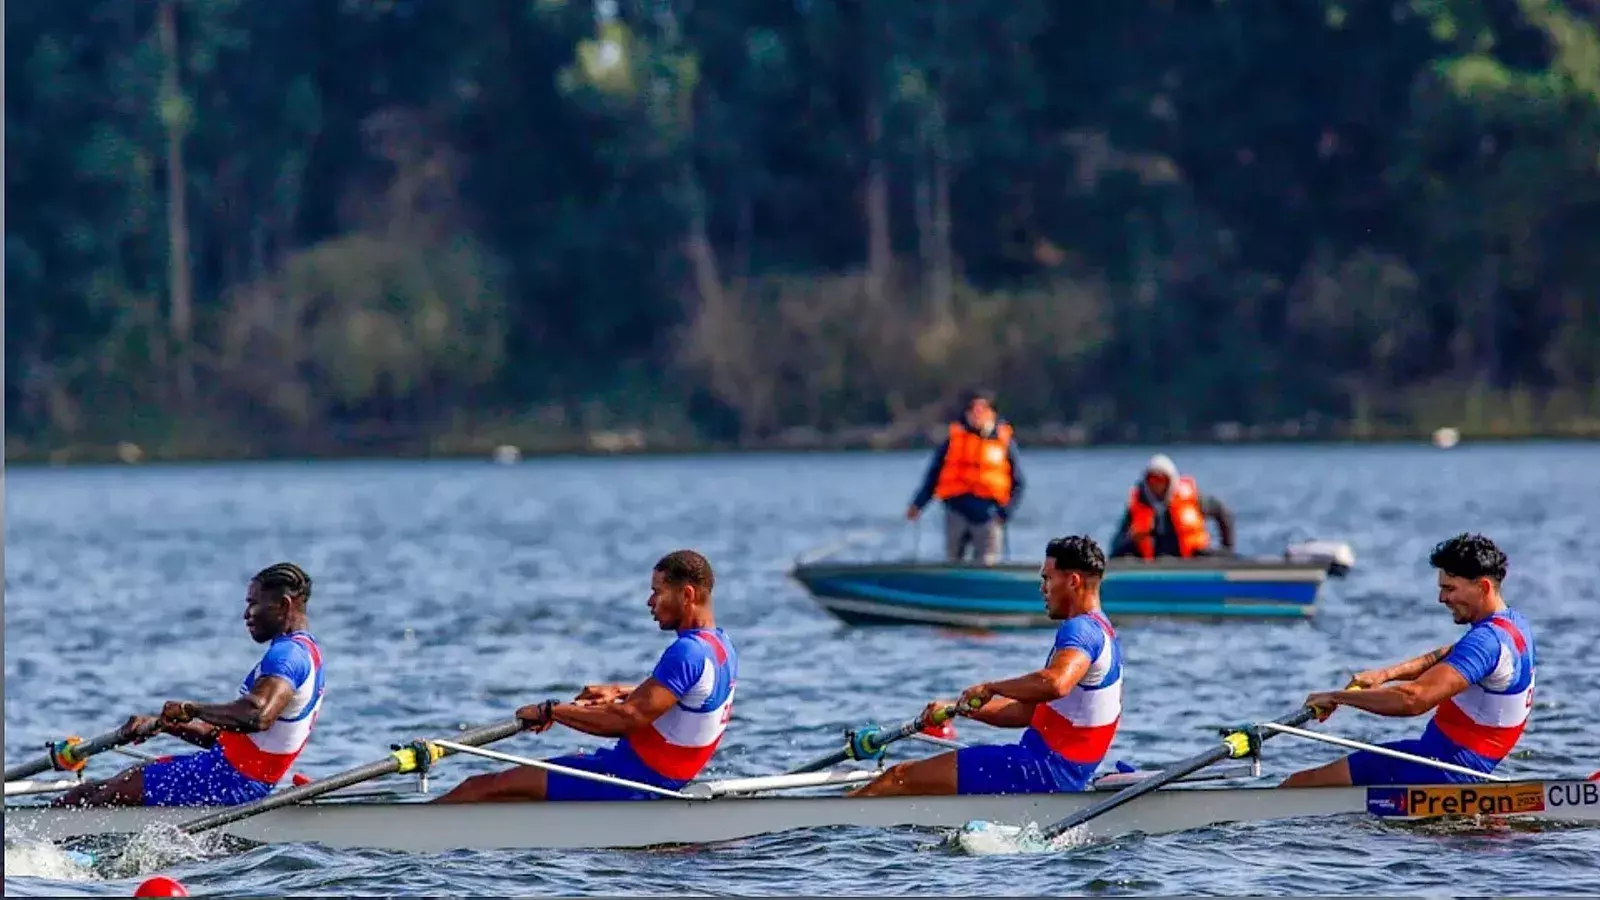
604, 693
1407, 698
1060, 675
644, 705
1411, 669
200, 734
253, 712
1004, 712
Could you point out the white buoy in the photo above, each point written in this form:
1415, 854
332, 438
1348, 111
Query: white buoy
505, 454
1445, 438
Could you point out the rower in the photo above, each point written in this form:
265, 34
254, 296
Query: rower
250, 742
1166, 516
669, 725
1070, 708
1481, 686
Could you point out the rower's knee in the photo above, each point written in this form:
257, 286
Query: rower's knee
1334, 774
472, 789
123, 789
522, 783
934, 775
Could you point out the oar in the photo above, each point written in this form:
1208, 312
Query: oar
71, 754
410, 758
869, 742
1234, 745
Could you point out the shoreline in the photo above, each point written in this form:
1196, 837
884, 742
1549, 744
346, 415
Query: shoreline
631, 443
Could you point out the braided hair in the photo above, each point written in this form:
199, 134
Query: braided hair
285, 579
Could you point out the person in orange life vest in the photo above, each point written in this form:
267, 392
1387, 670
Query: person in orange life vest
1069, 708
976, 474
668, 726
1166, 516
250, 742
1481, 686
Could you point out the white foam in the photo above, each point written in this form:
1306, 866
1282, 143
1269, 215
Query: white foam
46, 860
991, 839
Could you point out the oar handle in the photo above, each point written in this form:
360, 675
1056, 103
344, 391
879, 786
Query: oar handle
71, 754
408, 758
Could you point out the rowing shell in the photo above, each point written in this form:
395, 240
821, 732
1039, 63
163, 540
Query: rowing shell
423, 828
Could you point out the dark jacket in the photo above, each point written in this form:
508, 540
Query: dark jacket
974, 509
1166, 536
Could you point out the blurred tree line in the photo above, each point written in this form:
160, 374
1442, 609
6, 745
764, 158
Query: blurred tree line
305, 225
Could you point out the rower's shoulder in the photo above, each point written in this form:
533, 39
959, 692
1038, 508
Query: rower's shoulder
1083, 629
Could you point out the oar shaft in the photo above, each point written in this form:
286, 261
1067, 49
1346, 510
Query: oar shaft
1228, 748
78, 752
883, 739
398, 761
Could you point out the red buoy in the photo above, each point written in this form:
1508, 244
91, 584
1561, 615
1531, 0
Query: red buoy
161, 886
300, 778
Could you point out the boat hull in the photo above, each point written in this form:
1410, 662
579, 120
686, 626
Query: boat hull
1007, 595
426, 828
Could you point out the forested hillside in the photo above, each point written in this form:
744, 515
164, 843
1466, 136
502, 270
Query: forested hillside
309, 226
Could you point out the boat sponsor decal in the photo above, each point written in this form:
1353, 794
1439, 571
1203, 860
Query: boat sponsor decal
1568, 794
1463, 800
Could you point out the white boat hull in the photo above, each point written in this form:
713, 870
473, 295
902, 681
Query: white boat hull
423, 828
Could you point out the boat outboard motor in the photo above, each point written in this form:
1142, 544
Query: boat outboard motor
1336, 555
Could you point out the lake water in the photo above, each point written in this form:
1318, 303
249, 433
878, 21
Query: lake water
449, 593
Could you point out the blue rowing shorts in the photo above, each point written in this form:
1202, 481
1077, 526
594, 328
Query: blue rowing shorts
619, 763
1367, 768
1018, 769
199, 779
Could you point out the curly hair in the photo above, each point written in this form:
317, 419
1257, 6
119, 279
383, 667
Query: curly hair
1077, 553
1469, 556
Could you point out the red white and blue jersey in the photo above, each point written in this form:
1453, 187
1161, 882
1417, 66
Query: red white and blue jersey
268, 755
701, 669
1497, 659
1079, 726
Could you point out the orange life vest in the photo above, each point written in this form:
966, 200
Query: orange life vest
1183, 502
976, 465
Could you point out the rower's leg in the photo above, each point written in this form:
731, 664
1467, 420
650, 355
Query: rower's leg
523, 783
934, 775
123, 789
1334, 774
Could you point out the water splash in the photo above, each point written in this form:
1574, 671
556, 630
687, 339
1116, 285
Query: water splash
992, 839
46, 860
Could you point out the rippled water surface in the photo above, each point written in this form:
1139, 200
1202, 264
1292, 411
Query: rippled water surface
449, 593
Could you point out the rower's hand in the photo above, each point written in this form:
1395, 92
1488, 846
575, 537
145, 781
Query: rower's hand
972, 699
1367, 680
536, 717
912, 513
927, 718
1323, 703
147, 726
176, 712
